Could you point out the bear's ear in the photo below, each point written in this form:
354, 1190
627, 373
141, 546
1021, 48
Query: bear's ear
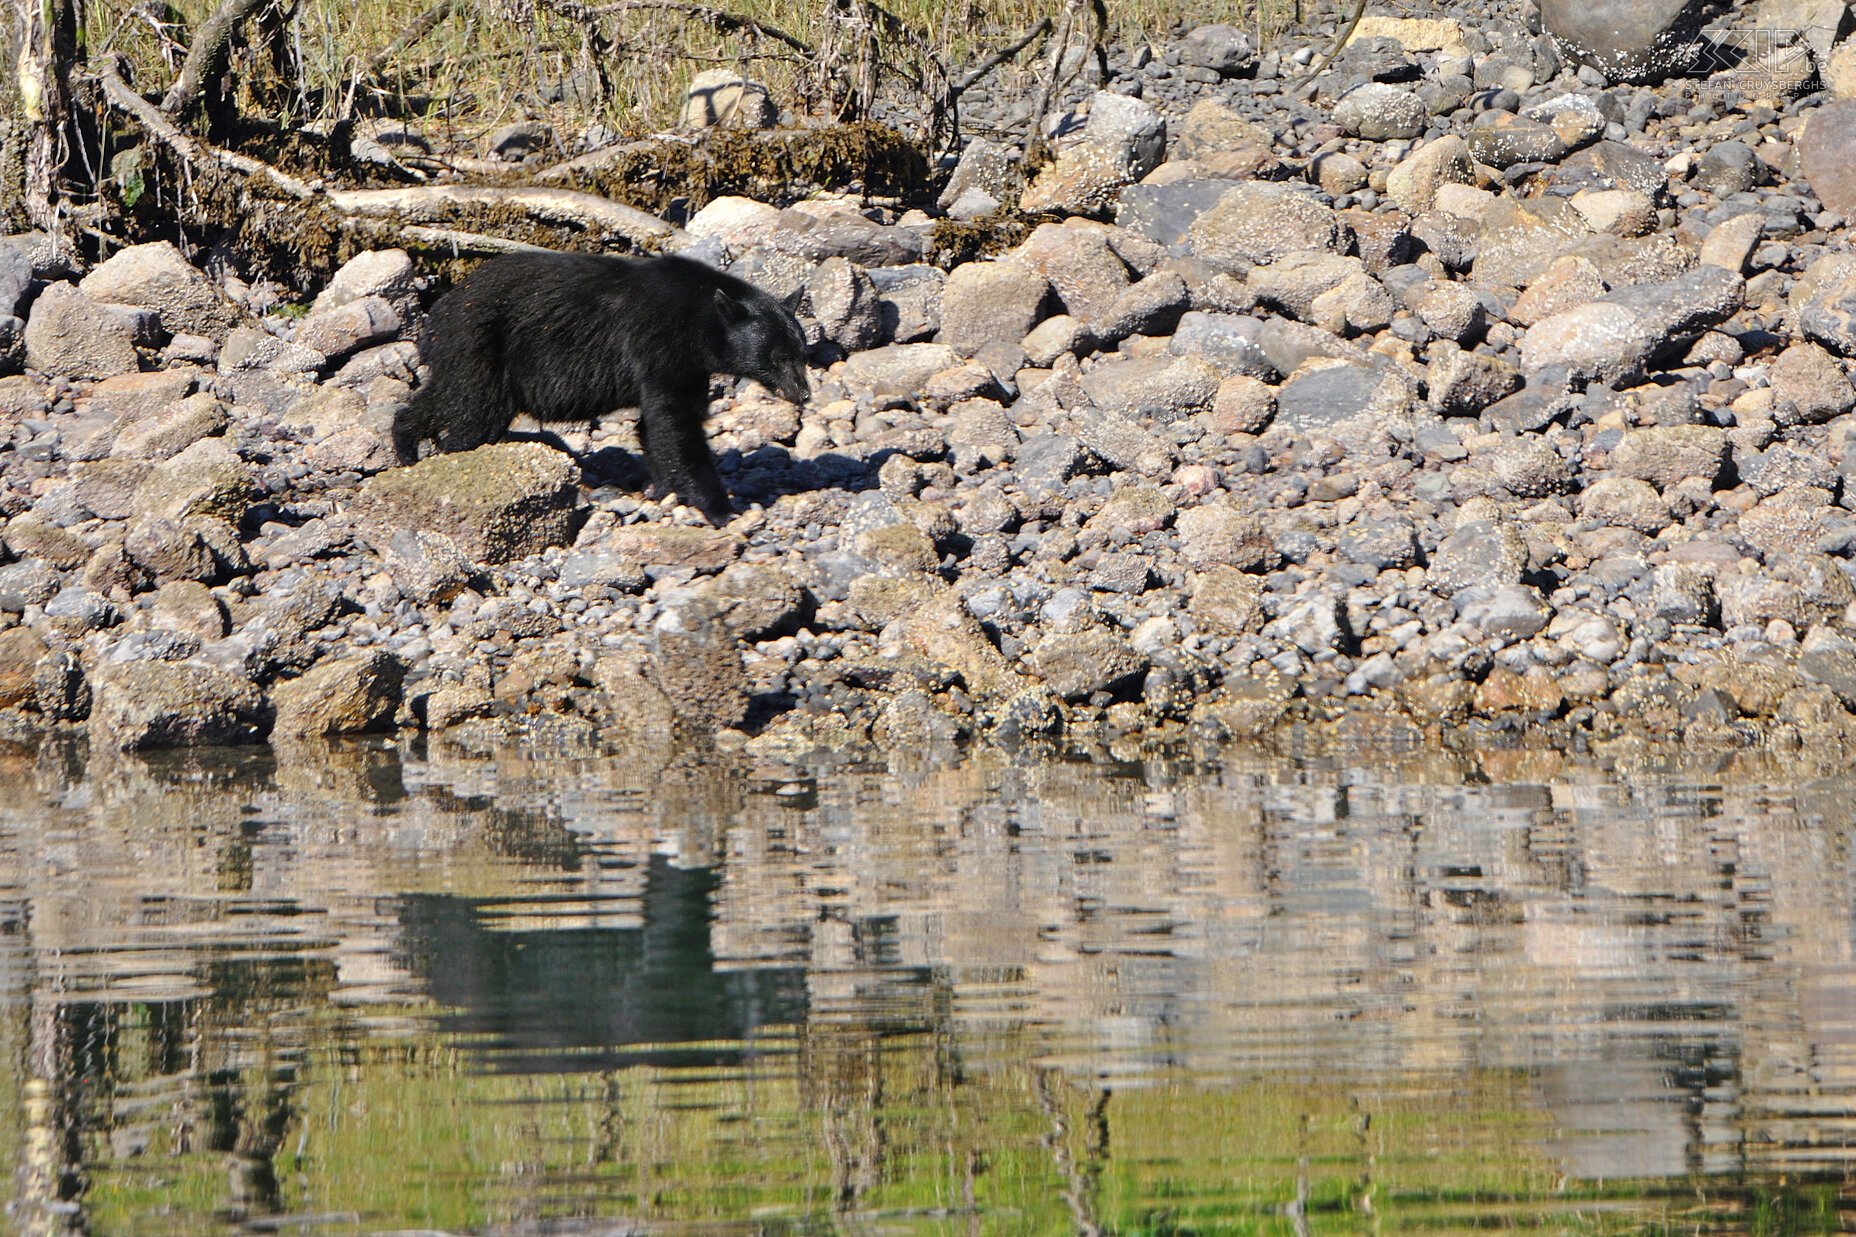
793, 298
730, 309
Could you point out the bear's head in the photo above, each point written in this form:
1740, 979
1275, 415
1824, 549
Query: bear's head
766, 342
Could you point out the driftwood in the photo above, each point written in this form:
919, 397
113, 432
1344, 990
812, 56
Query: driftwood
463, 242
967, 80
437, 203
727, 23
413, 208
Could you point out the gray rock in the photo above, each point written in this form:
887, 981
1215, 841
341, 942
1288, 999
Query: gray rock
1501, 139
992, 168
1808, 386
1376, 112
71, 336
1221, 535
348, 327
1262, 222
723, 98
428, 567
1665, 454
911, 301
1480, 553
1827, 155
1165, 213
1042, 463
27, 583
1231, 342
1162, 388
1077, 665
985, 302
1503, 612
1726, 169
1225, 50
157, 278
1626, 40
1823, 303
15, 279
846, 304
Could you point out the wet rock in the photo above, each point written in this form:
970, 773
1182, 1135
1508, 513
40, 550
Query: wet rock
21, 650
347, 695
138, 706
497, 503
71, 336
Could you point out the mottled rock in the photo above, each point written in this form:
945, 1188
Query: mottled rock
156, 277
151, 704
71, 336
497, 503
346, 695
1262, 222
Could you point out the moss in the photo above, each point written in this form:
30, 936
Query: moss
964, 240
781, 165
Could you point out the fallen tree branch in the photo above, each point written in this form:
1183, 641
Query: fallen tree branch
463, 242
434, 203
726, 22
968, 79
1334, 49
207, 54
160, 126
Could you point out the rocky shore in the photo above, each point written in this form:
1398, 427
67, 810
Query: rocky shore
1481, 393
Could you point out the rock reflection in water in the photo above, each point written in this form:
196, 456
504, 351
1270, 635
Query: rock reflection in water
359, 989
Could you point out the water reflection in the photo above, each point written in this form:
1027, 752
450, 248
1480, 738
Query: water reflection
367, 989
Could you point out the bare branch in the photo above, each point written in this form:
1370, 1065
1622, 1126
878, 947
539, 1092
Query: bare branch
434, 203
161, 127
973, 75
726, 22
207, 55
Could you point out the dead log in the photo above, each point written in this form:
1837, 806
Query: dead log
427, 204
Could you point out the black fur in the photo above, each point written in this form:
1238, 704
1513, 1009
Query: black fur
571, 337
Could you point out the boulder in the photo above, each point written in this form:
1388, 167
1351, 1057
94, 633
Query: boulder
345, 695
497, 503
156, 277
151, 704
71, 336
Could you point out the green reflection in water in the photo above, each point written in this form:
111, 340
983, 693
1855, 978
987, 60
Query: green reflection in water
530, 995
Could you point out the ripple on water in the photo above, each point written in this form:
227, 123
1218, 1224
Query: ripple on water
373, 989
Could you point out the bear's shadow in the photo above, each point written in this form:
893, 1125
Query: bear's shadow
763, 475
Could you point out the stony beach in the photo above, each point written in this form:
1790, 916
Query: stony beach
1474, 393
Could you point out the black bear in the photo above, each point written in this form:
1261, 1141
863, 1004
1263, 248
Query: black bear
570, 337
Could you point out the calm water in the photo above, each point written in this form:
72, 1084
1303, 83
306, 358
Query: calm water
375, 989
